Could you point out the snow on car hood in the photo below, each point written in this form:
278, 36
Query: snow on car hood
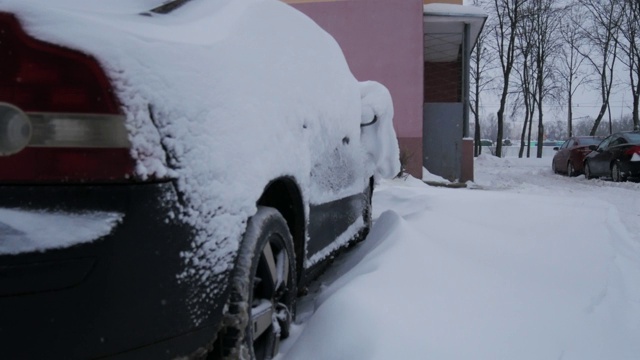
27, 231
224, 96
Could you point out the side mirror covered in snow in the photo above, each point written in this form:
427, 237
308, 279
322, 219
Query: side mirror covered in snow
376, 129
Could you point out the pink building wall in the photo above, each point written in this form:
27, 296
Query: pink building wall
383, 41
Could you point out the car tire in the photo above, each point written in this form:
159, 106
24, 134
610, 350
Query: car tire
553, 167
263, 290
368, 211
616, 174
571, 171
367, 214
587, 171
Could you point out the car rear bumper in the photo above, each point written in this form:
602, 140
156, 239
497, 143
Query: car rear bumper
630, 168
116, 297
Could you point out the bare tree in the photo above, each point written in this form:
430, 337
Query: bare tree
624, 123
507, 17
525, 69
546, 22
582, 128
489, 127
571, 60
601, 30
630, 52
481, 61
537, 41
556, 129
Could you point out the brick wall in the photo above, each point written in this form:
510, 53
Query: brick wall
442, 81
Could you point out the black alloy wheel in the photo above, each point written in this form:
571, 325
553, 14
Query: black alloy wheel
263, 294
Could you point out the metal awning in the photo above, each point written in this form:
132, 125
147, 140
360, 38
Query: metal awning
444, 30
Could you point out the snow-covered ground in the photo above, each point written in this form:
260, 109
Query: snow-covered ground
522, 264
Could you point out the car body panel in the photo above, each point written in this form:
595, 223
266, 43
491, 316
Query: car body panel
329, 221
112, 294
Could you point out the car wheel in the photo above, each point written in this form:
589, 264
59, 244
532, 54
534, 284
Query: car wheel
263, 290
553, 167
571, 172
587, 171
616, 173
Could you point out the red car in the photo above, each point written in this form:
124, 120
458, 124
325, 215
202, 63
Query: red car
569, 158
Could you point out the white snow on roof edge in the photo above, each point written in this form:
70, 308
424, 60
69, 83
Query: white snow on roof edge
453, 10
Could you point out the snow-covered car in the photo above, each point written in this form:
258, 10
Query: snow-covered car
171, 175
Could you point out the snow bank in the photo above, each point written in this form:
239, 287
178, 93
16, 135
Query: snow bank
427, 176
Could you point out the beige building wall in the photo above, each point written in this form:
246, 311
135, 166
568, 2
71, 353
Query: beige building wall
307, 1
456, 2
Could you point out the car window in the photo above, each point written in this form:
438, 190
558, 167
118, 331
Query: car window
617, 142
588, 141
605, 143
566, 144
634, 137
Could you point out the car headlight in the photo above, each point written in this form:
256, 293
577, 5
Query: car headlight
15, 129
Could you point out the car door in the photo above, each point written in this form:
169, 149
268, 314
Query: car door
563, 155
616, 148
599, 161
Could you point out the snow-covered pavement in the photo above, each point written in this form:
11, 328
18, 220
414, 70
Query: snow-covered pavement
523, 264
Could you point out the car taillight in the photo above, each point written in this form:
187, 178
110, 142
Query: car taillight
59, 118
633, 150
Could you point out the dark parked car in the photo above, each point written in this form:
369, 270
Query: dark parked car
171, 178
569, 158
617, 157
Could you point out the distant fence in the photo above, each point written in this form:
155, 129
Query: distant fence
512, 151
